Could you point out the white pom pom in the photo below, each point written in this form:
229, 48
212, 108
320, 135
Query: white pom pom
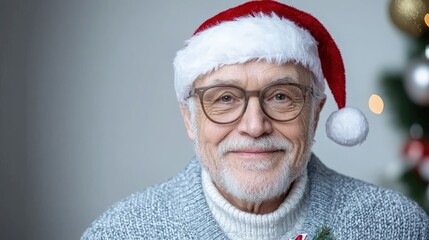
347, 126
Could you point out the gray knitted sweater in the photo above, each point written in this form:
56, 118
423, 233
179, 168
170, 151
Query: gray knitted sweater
177, 209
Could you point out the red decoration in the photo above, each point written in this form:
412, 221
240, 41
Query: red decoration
300, 237
416, 152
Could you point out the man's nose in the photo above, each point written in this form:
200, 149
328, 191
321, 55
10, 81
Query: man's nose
254, 122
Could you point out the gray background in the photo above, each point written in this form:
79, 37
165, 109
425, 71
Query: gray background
88, 112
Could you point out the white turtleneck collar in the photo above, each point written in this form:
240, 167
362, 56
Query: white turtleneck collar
237, 224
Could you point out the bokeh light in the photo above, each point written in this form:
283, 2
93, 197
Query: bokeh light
376, 104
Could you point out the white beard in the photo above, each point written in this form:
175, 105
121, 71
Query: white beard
259, 187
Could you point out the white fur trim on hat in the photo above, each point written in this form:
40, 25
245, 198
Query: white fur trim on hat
264, 37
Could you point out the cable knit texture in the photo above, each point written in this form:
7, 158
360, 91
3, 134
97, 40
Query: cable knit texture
177, 209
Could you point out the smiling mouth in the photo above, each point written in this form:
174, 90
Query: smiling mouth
256, 153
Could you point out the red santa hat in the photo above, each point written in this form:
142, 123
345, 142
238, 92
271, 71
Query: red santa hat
271, 31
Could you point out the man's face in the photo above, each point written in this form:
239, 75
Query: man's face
254, 158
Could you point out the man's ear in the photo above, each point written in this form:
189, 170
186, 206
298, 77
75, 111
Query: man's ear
317, 111
186, 114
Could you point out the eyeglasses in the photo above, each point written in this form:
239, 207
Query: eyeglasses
226, 103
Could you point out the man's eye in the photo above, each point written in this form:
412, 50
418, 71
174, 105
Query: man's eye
280, 97
226, 98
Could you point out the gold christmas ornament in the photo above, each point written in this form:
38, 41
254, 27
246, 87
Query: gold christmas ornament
409, 15
427, 19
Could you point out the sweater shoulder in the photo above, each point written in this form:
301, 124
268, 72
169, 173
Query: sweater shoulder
369, 210
156, 212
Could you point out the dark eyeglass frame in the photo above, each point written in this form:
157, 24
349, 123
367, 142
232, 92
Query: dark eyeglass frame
247, 94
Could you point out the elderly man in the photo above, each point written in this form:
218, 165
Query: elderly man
250, 83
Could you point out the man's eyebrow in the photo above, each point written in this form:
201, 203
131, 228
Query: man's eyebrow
285, 80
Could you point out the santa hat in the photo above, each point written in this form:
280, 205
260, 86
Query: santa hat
271, 31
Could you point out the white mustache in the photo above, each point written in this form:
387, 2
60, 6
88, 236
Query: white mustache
265, 143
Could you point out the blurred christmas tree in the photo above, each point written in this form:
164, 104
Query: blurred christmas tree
408, 95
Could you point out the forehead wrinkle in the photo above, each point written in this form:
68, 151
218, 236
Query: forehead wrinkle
226, 81
278, 75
